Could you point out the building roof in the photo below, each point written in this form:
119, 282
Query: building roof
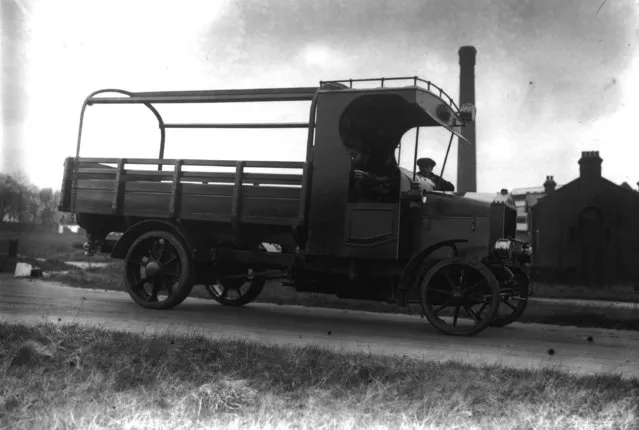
532, 190
491, 197
590, 165
627, 186
528, 190
532, 199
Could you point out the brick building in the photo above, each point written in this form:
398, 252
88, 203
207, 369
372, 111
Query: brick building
586, 231
522, 197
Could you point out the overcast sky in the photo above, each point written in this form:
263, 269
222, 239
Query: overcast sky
553, 77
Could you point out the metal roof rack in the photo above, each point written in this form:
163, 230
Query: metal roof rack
416, 80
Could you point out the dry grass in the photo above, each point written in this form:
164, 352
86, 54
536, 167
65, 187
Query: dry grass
110, 277
78, 377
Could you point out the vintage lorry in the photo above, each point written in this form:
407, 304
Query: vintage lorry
319, 227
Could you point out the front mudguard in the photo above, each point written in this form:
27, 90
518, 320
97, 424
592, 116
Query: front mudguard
411, 271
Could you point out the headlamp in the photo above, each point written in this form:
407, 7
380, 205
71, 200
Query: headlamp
508, 249
503, 248
467, 112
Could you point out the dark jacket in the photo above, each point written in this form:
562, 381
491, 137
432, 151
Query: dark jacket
441, 184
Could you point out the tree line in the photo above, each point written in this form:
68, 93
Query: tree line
21, 201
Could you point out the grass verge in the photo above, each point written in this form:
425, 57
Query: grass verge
111, 278
80, 377
620, 293
44, 245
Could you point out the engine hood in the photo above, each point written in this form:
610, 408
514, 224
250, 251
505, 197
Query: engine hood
463, 204
439, 204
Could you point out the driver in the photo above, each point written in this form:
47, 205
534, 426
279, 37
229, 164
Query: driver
375, 174
426, 166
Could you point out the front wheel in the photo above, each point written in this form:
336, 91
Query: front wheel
158, 271
455, 285
513, 299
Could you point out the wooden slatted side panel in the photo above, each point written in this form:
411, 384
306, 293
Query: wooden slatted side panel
118, 188
204, 202
93, 195
231, 197
237, 193
191, 162
175, 191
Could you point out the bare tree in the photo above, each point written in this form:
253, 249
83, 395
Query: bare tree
48, 201
9, 198
21, 201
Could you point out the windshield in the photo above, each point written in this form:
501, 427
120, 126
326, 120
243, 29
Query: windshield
432, 144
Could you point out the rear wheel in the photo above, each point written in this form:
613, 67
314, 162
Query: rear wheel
459, 297
158, 271
235, 284
236, 292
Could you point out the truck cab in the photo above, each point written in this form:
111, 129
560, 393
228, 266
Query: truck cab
361, 129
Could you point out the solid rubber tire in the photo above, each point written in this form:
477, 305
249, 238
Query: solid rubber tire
186, 282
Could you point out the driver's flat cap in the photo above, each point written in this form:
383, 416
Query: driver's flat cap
426, 162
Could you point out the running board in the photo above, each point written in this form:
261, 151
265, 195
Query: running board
267, 274
276, 259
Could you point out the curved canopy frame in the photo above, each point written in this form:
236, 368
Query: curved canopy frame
90, 101
212, 96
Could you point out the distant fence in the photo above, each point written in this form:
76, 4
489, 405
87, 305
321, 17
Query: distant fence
24, 227
567, 277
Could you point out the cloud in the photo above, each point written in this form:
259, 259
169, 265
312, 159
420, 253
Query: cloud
322, 56
566, 56
550, 74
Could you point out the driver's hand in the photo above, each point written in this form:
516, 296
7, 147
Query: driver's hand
359, 174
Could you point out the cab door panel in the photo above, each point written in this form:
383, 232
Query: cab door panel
371, 230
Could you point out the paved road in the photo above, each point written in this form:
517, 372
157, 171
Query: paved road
519, 345
587, 303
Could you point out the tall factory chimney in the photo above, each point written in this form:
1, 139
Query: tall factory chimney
467, 154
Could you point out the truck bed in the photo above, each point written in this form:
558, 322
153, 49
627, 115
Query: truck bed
92, 187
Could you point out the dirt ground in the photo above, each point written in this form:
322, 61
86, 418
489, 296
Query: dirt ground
579, 350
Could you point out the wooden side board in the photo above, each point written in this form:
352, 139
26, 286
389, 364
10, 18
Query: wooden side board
207, 202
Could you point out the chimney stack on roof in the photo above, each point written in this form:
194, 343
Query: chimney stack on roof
549, 185
590, 165
627, 186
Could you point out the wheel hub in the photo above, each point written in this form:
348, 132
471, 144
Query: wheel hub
153, 268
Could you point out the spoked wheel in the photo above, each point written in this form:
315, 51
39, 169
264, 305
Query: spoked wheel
236, 291
235, 284
513, 298
158, 271
459, 297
